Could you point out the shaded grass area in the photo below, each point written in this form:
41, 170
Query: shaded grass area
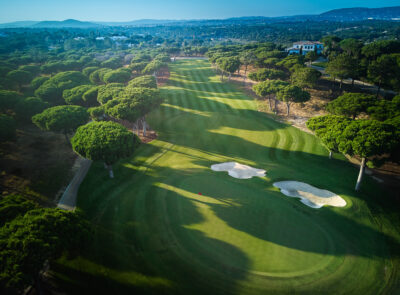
155, 234
320, 64
37, 164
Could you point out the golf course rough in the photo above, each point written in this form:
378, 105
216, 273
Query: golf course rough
168, 224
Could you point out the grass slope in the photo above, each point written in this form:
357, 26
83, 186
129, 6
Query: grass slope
155, 234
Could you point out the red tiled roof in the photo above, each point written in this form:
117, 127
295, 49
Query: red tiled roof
307, 43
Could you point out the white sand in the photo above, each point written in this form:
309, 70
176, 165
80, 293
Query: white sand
310, 195
238, 170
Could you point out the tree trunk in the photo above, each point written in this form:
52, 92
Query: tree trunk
134, 127
105, 165
245, 70
229, 77
38, 285
155, 76
352, 82
276, 106
288, 108
341, 83
67, 138
270, 102
330, 154
110, 171
144, 125
379, 89
222, 75
360, 175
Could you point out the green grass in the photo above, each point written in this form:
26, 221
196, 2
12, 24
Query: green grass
154, 234
320, 64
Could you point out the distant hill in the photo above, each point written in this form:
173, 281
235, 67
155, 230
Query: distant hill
68, 23
139, 22
19, 24
362, 13
342, 15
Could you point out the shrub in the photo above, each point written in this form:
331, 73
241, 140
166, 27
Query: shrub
109, 91
52, 89
75, 95
264, 74
146, 81
117, 76
38, 81
90, 96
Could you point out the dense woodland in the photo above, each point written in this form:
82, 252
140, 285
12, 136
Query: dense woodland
60, 91
201, 33
87, 90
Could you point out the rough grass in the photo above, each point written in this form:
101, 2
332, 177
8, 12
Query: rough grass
156, 235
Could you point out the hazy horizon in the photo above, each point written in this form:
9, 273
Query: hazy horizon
125, 10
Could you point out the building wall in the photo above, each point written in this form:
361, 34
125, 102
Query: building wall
305, 48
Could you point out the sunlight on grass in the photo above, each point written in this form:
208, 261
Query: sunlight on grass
203, 199
200, 113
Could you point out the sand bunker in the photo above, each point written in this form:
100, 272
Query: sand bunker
309, 195
238, 170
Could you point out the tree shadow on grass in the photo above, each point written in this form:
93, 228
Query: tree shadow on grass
336, 175
208, 139
136, 250
349, 236
142, 220
143, 216
256, 121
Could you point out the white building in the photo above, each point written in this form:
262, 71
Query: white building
303, 47
118, 38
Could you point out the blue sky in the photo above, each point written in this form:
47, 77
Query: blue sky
126, 10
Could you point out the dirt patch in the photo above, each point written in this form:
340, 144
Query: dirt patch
324, 91
299, 113
138, 129
150, 136
162, 76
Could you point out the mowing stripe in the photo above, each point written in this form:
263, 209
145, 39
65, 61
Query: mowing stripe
239, 236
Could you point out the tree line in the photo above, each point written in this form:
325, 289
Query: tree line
362, 125
87, 101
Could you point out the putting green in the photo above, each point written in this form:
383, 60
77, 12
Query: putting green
169, 224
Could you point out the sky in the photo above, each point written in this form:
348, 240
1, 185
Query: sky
127, 10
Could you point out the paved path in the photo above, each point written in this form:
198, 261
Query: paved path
68, 199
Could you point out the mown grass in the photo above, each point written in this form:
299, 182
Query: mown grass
155, 234
322, 64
